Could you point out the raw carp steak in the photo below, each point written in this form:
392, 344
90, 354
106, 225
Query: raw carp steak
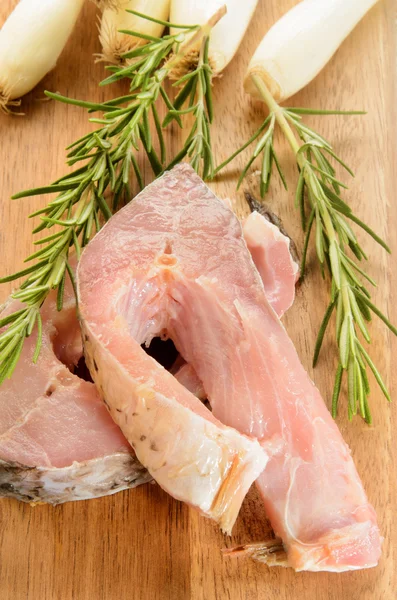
174, 263
57, 440
29, 474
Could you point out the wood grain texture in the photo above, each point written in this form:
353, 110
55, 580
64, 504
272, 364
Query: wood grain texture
141, 544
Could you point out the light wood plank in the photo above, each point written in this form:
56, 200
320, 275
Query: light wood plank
141, 544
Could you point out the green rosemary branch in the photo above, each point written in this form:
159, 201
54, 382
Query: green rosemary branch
194, 97
108, 156
196, 92
318, 198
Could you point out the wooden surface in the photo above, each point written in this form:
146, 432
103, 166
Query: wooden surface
141, 544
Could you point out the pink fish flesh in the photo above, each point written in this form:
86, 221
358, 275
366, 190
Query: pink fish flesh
26, 471
123, 280
270, 251
174, 261
187, 376
57, 440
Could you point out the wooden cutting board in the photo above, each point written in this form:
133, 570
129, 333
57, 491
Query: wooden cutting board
141, 544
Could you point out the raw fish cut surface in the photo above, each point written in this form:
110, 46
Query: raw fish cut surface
175, 261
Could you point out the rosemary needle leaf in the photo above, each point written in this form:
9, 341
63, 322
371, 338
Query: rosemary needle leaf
336, 392
160, 136
369, 231
9, 348
319, 238
39, 338
244, 146
12, 317
49, 189
139, 34
376, 310
10, 333
279, 169
344, 341
339, 160
328, 176
151, 154
168, 118
72, 278
137, 172
375, 372
299, 189
313, 111
107, 213
22, 273
322, 330
178, 157
358, 317
335, 263
82, 103
159, 21
351, 388
13, 359
366, 313
41, 211
60, 292
306, 245
244, 171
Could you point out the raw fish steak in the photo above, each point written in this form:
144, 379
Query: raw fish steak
57, 440
124, 278
174, 262
25, 477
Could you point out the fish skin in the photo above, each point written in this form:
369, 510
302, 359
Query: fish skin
81, 480
210, 297
57, 441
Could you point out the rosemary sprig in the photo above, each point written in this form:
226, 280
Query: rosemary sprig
77, 209
141, 62
194, 97
318, 198
108, 156
196, 91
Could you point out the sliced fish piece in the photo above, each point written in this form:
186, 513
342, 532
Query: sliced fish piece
175, 261
57, 440
124, 302
32, 480
271, 253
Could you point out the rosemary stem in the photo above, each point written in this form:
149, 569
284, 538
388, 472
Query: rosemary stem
200, 95
303, 163
276, 109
